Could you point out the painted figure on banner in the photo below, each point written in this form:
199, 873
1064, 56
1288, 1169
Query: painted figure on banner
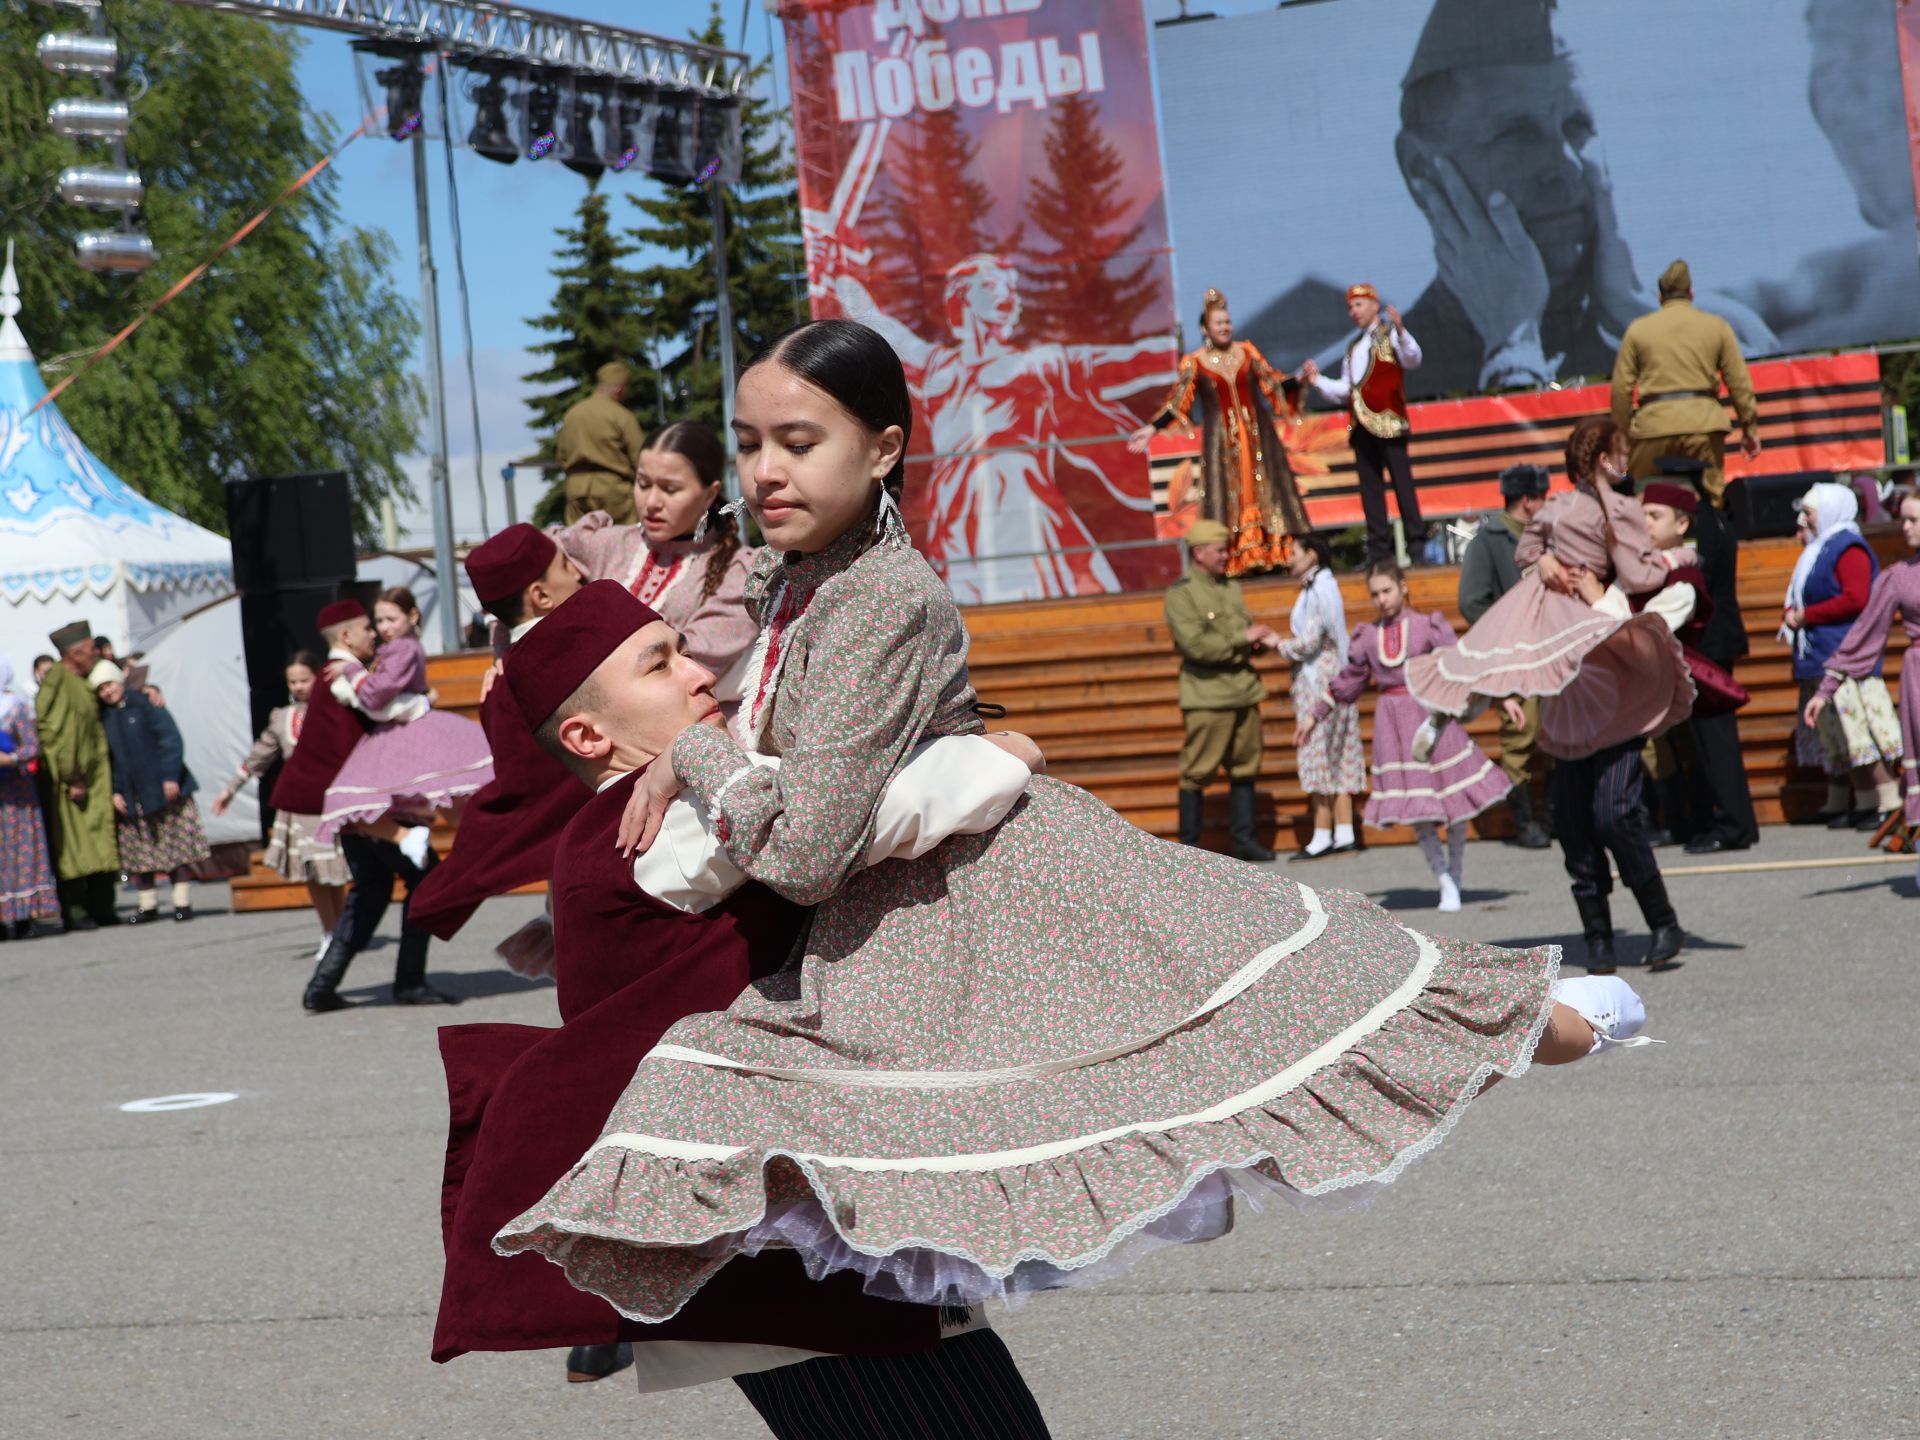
1866, 288
1244, 478
1499, 149
998, 524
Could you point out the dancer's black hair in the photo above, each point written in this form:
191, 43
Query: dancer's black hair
700, 446
854, 365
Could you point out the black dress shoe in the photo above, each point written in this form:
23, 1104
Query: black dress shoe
1714, 845
1871, 820
81, 925
1848, 819
144, 917
587, 1363
1305, 854
183, 914
1821, 817
1347, 849
322, 1002
1660, 838
421, 995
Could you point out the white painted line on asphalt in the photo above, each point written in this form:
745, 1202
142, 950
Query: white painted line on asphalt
193, 1100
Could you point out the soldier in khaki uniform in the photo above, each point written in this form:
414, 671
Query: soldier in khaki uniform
599, 449
1220, 692
1674, 361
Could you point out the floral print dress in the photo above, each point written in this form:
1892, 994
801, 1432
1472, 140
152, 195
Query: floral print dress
1024, 1058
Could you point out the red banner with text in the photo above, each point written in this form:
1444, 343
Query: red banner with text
980, 181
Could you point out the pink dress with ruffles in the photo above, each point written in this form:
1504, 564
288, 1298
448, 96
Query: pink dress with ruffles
1601, 680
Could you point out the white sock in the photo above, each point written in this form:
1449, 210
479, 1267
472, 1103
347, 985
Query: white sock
1321, 842
415, 844
1887, 796
1449, 895
1457, 851
1343, 835
183, 894
1609, 1005
149, 899
325, 940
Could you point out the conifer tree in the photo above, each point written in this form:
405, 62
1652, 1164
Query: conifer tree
1085, 285
929, 213
765, 265
595, 317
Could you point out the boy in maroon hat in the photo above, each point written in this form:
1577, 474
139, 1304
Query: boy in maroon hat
603, 683
508, 831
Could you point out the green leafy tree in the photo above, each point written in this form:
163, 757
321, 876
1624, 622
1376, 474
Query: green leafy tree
1089, 280
765, 264
294, 351
595, 317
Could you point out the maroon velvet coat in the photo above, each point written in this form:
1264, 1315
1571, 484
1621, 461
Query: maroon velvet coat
508, 832
327, 738
527, 1102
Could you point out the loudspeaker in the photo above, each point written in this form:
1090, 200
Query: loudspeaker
291, 532
1763, 506
274, 624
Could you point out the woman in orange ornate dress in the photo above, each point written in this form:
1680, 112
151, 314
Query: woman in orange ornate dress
1247, 482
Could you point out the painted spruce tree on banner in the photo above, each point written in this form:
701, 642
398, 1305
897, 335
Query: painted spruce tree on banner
765, 265
1092, 268
295, 352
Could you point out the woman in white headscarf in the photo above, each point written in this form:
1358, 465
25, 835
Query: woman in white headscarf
1332, 766
1857, 741
26, 878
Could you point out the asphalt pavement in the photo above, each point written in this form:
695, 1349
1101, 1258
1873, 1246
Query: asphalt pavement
1712, 1237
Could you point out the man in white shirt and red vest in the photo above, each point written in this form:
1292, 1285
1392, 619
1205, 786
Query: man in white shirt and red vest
1372, 386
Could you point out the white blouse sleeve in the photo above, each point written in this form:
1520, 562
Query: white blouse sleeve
956, 785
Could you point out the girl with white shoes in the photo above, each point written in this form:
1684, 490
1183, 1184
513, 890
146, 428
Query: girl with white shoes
1446, 786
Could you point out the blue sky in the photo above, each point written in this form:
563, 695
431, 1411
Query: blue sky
509, 214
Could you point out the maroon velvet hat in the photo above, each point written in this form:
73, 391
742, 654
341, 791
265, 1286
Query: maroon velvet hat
339, 612
1674, 497
553, 659
509, 562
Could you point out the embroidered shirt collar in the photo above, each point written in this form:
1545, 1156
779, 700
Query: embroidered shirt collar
807, 573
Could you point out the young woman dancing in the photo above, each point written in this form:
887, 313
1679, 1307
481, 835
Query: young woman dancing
1027, 1056
1453, 782
1607, 679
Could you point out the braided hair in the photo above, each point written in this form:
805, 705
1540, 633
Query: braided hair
1592, 438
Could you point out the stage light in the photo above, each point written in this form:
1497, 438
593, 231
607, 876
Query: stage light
490, 136
89, 119
623, 146
100, 189
80, 54
542, 99
672, 151
582, 157
113, 250
402, 83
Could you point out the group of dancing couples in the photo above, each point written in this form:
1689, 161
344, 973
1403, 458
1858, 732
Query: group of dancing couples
865, 1019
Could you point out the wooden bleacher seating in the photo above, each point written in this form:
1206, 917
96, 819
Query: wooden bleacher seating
1093, 681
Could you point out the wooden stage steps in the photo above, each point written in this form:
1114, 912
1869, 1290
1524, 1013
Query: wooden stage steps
1093, 680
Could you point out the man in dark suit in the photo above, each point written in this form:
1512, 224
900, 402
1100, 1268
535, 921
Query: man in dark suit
1717, 777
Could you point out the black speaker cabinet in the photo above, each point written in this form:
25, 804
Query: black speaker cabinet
1762, 506
291, 532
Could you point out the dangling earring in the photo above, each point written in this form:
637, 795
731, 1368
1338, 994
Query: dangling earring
700, 530
734, 510
888, 522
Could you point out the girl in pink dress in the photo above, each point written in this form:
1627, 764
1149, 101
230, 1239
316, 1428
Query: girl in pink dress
1895, 591
684, 557
416, 759
1447, 787
1607, 679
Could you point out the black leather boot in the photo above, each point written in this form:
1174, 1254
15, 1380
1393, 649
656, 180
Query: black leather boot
1596, 923
1665, 938
410, 971
323, 990
1192, 807
586, 1363
1240, 824
1528, 832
